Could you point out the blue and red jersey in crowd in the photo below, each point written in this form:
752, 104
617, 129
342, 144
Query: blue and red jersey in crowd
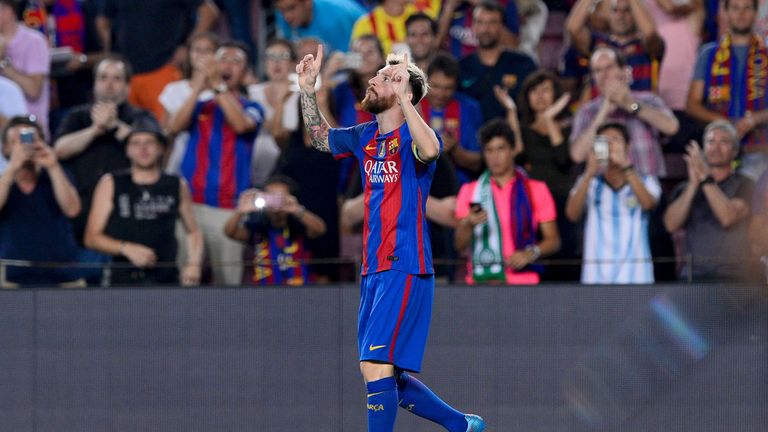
217, 162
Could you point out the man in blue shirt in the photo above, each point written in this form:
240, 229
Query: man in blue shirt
297, 19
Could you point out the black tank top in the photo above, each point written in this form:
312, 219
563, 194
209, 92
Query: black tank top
145, 214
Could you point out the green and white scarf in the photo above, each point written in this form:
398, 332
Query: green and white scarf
487, 257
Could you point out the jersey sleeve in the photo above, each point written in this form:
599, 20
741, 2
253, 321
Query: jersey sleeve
342, 141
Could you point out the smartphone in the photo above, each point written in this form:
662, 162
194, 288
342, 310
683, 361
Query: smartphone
27, 136
265, 200
600, 146
475, 207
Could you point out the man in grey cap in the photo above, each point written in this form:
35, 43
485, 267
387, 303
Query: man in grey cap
134, 213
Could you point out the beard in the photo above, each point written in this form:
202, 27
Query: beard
487, 42
377, 105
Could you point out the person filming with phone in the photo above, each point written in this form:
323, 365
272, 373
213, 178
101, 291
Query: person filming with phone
507, 218
274, 222
618, 201
37, 199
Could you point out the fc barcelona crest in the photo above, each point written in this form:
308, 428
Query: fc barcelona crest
392, 146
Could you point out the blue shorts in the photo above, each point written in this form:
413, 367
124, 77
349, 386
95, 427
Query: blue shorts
393, 322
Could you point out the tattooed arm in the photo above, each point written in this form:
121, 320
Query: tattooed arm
317, 127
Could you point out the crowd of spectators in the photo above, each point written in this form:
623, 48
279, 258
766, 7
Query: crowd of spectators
138, 137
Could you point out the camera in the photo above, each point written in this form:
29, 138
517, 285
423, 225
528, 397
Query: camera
264, 200
27, 136
600, 146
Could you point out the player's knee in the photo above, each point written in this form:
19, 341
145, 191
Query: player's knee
375, 371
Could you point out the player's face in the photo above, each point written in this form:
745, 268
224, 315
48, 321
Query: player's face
379, 96
110, 84
719, 150
144, 150
741, 16
541, 96
499, 156
441, 89
488, 26
420, 39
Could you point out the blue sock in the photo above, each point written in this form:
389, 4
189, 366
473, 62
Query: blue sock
382, 404
420, 400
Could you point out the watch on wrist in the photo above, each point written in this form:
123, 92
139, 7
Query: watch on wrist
534, 250
220, 88
634, 107
708, 180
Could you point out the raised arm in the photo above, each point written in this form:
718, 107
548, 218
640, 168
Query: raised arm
653, 42
317, 127
577, 27
425, 142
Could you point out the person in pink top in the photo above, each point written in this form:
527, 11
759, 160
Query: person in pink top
24, 59
507, 219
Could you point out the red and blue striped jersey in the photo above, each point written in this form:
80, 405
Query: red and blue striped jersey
395, 190
217, 161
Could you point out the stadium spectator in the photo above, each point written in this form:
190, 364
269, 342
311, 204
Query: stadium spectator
36, 200
387, 22
421, 37
454, 116
304, 165
713, 207
90, 140
492, 64
299, 19
274, 222
217, 162
544, 128
281, 107
643, 113
729, 83
202, 47
456, 29
618, 201
631, 31
151, 34
134, 213
24, 59
503, 214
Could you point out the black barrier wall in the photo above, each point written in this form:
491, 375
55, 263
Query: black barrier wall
542, 358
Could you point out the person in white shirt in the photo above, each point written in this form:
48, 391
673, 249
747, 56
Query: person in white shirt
202, 48
280, 100
618, 201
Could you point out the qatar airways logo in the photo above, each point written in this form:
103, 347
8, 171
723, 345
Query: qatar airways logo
381, 171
